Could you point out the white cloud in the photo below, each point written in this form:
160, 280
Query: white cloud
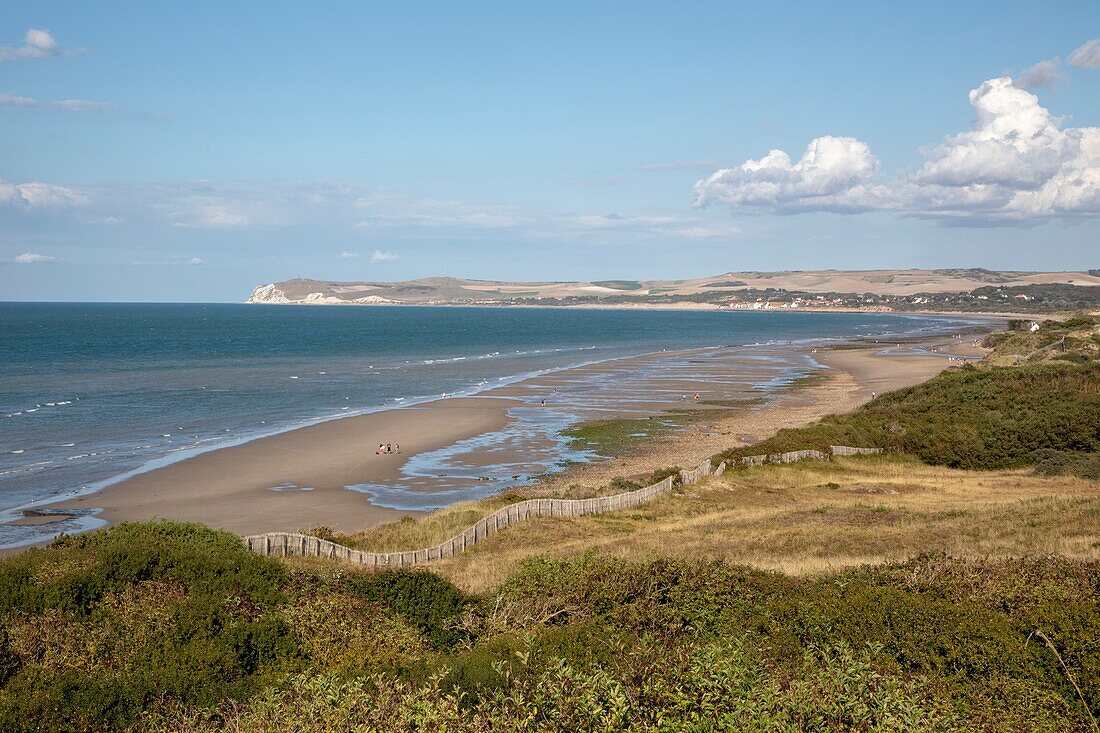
834, 174
9, 99
348, 255
1043, 75
71, 105
204, 212
38, 195
1087, 56
37, 44
1015, 164
31, 258
380, 256
78, 105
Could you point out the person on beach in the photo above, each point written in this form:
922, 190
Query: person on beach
381, 449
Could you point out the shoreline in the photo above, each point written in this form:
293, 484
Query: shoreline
295, 479
852, 376
243, 488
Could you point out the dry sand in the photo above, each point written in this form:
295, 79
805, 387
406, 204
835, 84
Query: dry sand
234, 488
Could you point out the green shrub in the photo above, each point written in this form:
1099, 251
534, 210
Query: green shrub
103, 624
1052, 462
967, 418
426, 601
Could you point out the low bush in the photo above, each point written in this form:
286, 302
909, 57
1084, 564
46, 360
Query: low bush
1052, 462
426, 601
969, 418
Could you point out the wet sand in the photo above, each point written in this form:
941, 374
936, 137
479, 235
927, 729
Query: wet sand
297, 479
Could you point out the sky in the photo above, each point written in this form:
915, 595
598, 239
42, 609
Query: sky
191, 151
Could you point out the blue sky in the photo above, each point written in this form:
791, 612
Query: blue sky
189, 151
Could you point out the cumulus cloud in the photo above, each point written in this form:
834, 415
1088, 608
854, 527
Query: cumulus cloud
39, 195
32, 258
834, 174
71, 105
38, 43
1016, 163
1087, 56
380, 256
1043, 75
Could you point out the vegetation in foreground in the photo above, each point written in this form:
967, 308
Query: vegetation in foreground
160, 626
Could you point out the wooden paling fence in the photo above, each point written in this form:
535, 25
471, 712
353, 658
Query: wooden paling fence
284, 544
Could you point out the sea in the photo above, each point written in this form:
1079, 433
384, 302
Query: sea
91, 393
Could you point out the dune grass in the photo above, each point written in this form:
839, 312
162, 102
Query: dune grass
805, 518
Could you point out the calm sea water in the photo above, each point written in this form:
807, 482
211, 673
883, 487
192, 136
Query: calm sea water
89, 392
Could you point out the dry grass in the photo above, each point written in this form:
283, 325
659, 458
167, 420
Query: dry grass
443, 524
812, 518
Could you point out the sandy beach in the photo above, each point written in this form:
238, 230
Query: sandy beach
298, 479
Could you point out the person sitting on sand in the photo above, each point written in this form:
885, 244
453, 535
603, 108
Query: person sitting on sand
381, 449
